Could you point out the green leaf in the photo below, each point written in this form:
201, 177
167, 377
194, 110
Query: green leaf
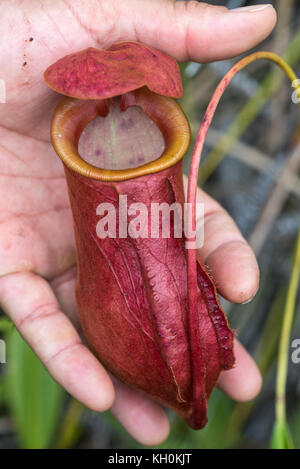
34, 398
281, 438
5, 324
70, 428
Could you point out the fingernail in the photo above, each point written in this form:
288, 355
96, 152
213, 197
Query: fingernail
252, 9
249, 301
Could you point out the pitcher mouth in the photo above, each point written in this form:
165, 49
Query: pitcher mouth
72, 115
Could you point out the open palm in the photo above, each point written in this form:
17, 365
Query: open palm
37, 251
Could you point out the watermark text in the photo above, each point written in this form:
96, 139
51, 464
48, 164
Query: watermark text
296, 352
2, 91
158, 220
2, 351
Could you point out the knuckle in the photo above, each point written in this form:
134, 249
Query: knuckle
41, 312
63, 352
192, 7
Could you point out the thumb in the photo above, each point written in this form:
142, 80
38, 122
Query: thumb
198, 31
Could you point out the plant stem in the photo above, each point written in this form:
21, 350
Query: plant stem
249, 112
192, 186
284, 347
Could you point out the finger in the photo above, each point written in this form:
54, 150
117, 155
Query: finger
243, 383
228, 256
63, 287
198, 31
141, 417
30, 303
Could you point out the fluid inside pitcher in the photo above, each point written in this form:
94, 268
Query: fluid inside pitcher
121, 140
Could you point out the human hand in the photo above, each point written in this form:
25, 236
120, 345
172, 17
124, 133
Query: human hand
37, 251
